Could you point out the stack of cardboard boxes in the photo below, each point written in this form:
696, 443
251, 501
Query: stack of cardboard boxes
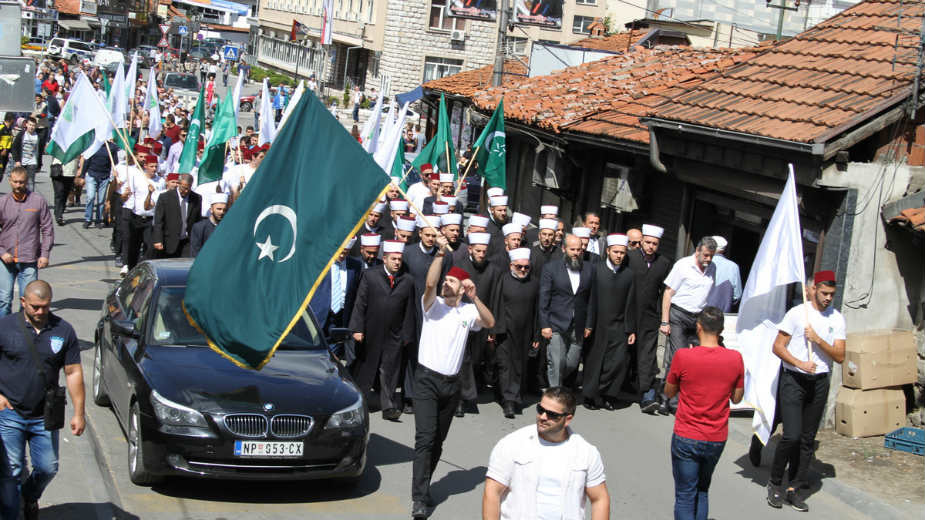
877, 364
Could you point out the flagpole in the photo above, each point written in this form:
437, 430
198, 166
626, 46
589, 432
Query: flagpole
417, 209
468, 166
809, 344
449, 167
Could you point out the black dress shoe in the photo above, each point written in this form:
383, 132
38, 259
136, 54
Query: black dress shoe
30, 510
87, 224
60, 221
591, 406
609, 405
408, 409
663, 408
648, 407
419, 510
460, 409
391, 414
509, 410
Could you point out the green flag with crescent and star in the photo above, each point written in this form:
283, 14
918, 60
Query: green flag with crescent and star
491, 150
309, 195
191, 144
223, 129
439, 151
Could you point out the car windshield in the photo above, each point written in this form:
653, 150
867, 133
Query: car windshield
183, 81
170, 326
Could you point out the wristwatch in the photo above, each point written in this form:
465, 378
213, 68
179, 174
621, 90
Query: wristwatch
663, 323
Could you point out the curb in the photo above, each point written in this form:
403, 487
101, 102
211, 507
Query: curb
851, 496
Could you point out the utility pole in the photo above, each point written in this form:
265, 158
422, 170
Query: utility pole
498, 73
783, 7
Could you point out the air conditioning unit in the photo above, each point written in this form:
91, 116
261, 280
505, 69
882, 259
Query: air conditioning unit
457, 35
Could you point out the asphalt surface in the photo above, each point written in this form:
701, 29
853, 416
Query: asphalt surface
93, 482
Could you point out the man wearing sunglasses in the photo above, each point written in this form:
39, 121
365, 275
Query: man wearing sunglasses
556, 470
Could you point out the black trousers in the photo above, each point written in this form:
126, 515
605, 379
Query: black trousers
137, 232
802, 399
512, 365
435, 400
646, 358
117, 214
683, 335
62, 187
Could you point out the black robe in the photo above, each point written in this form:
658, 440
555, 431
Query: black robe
612, 313
539, 257
385, 316
355, 250
497, 236
477, 349
649, 284
514, 302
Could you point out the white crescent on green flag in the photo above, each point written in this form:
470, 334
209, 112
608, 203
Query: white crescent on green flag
491, 150
151, 105
82, 118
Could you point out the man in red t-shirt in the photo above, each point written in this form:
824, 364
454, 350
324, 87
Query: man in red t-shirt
707, 377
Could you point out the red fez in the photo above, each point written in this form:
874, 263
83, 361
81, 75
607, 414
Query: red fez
151, 158
149, 140
265, 147
246, 154
823, 276
158, 147
427, 168
200, 145
173, 176
458, 273
140, 148
434, 176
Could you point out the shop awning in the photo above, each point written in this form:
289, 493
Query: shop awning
74, 25
93, 21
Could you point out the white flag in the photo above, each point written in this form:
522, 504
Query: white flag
296, 97
237, 93
370, 132
267, 120
82, 126
385, 155
779, 262
152, 106
131, 81
327, 22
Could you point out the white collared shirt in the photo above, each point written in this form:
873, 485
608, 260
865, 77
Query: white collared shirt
138, 184
574, 277
444, 333
691, 285
532, 469
829, 325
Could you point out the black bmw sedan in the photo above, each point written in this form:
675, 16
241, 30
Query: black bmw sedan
186, 410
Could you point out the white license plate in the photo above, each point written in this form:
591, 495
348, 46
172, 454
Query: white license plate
267, 449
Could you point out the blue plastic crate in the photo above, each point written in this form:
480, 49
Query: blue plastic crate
906, 439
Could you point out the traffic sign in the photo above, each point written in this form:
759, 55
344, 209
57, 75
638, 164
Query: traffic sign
163, 42
182, 29
164, 28
230, 53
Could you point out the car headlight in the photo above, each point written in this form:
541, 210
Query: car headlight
175, 417
348, 417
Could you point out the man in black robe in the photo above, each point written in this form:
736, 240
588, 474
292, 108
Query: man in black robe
497, 218
512, 235
650, 269
370, 244
515, 334
383, 323
417, 259
478, 351
372, 225
612, 323
544, 249
202, 230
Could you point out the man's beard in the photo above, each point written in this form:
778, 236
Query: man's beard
479, 264
573, 263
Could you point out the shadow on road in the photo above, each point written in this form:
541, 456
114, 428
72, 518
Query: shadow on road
85, 511
83, 259
818, 470
281, 492
81, 304
382, 451
457, 482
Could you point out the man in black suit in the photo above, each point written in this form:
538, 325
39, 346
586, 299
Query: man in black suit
650, 270
565, 290
174, 216
333, 301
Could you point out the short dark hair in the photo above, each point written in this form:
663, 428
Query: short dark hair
707, 243
827, 283
587, 214
564, 396
711, 319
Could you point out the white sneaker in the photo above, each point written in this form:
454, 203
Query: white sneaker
123, 271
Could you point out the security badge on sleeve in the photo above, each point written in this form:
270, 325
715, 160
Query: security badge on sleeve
57, 343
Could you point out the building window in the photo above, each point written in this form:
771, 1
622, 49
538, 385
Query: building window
581, 23
586, 2
515, 46
440, 20
436, 68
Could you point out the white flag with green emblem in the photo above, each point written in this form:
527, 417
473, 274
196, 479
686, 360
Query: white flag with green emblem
151, 105
82, 119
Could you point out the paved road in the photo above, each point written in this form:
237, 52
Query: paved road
93, 481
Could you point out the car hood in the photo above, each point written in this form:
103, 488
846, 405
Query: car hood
305, 382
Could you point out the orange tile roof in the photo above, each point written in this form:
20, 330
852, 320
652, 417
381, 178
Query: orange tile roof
819, 83
607, 97
469, 82
617, 42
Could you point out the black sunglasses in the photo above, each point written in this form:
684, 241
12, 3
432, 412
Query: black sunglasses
634, 242
521, 267
554, 416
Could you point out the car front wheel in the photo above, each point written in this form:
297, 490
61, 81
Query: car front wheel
247, 106
137, 471
99, 393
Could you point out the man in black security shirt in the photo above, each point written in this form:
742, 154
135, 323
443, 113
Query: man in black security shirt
22, 397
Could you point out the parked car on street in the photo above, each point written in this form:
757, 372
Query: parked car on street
71, 50
188, 411
105, 56
184, 84
246, 103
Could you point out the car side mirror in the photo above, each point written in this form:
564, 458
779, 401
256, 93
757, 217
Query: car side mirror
339, 335
125, 328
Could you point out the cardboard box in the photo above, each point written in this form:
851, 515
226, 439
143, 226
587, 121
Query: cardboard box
879, 359
864, 413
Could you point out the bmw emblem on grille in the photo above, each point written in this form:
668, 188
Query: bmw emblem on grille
268, 407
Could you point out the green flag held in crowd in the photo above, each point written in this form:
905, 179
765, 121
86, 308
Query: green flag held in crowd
223, 129
398, 165
191, 144
491, 150
439, 151
310, 193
